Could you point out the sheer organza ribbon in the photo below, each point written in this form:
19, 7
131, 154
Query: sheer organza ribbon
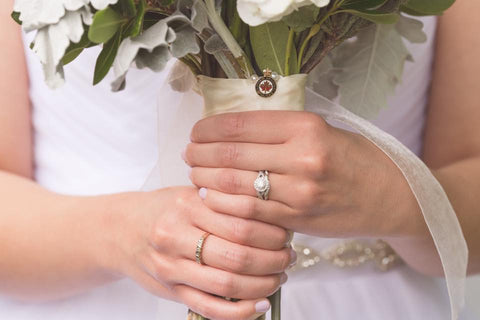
234, 95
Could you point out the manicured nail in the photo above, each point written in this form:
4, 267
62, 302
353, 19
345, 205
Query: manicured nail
293, 258
262, 306
202, 193
283, 278
290, 238
184, 158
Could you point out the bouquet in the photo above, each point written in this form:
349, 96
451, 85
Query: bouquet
352, 49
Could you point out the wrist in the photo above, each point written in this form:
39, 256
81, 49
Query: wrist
104, 231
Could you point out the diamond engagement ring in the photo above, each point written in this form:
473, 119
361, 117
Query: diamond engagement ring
262, 185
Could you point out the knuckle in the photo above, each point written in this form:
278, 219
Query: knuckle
232, 125
241, 231
313, 123
161, 271
161, 238
205, 310
184, 203
250, 207
228, 181
238, 260
308, 194
226, 286
313, 162
228, 154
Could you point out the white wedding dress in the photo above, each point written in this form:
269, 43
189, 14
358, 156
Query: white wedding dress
91, 141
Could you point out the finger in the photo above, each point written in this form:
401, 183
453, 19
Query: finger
222, 254
255, 126
226, 284
242, 231
203, 303
228, 256
234, 181
245, 156
216, 308
271, 212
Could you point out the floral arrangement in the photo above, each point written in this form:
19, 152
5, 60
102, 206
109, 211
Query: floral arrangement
353, 49
237, 39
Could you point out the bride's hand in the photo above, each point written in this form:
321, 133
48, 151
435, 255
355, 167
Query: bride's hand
154, 240
324, 181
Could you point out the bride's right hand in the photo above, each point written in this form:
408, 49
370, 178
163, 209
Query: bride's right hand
153, 240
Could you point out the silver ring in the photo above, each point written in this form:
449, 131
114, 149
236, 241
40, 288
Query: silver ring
262, 185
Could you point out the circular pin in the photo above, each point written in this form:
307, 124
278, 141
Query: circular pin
266, 85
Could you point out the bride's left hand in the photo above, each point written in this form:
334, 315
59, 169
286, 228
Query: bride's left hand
325, 181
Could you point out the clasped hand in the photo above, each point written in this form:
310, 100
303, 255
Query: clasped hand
324, 181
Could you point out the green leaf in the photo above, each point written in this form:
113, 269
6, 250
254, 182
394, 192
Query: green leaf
371, 68
375, 16
16, 16
269, 44
74, 50
303, 18
362, 5
424, 7
105, 24
136, 25
106, 57
128, 7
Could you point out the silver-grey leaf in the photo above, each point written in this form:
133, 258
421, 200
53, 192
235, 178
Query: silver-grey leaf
199, 16
320, 79
411, 29
371, 67
215, 44
51, 42
172, 36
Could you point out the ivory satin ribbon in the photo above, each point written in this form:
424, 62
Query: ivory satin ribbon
234, 95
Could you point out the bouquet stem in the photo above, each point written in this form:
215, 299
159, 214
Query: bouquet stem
275, 302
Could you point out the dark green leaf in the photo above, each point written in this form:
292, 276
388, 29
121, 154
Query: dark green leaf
128, 7
16, 16
362, 5
105, 24
375, 16
424, 7
74, 50
136, 24
106, 57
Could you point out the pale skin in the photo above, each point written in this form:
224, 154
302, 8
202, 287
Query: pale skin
72, 244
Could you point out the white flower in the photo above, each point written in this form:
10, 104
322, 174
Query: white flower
36, 14
257, 12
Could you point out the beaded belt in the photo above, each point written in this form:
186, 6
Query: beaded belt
348, 254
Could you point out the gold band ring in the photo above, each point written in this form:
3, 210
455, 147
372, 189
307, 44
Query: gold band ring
199, 249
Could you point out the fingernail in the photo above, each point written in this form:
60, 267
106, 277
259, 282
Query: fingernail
293, 258
183, 155
189, 171
283, 278
202, 193
290, 238
262, 306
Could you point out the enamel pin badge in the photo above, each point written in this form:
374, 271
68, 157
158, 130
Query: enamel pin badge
266, 85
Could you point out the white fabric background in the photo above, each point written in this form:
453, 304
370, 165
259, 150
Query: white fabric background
473, 295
